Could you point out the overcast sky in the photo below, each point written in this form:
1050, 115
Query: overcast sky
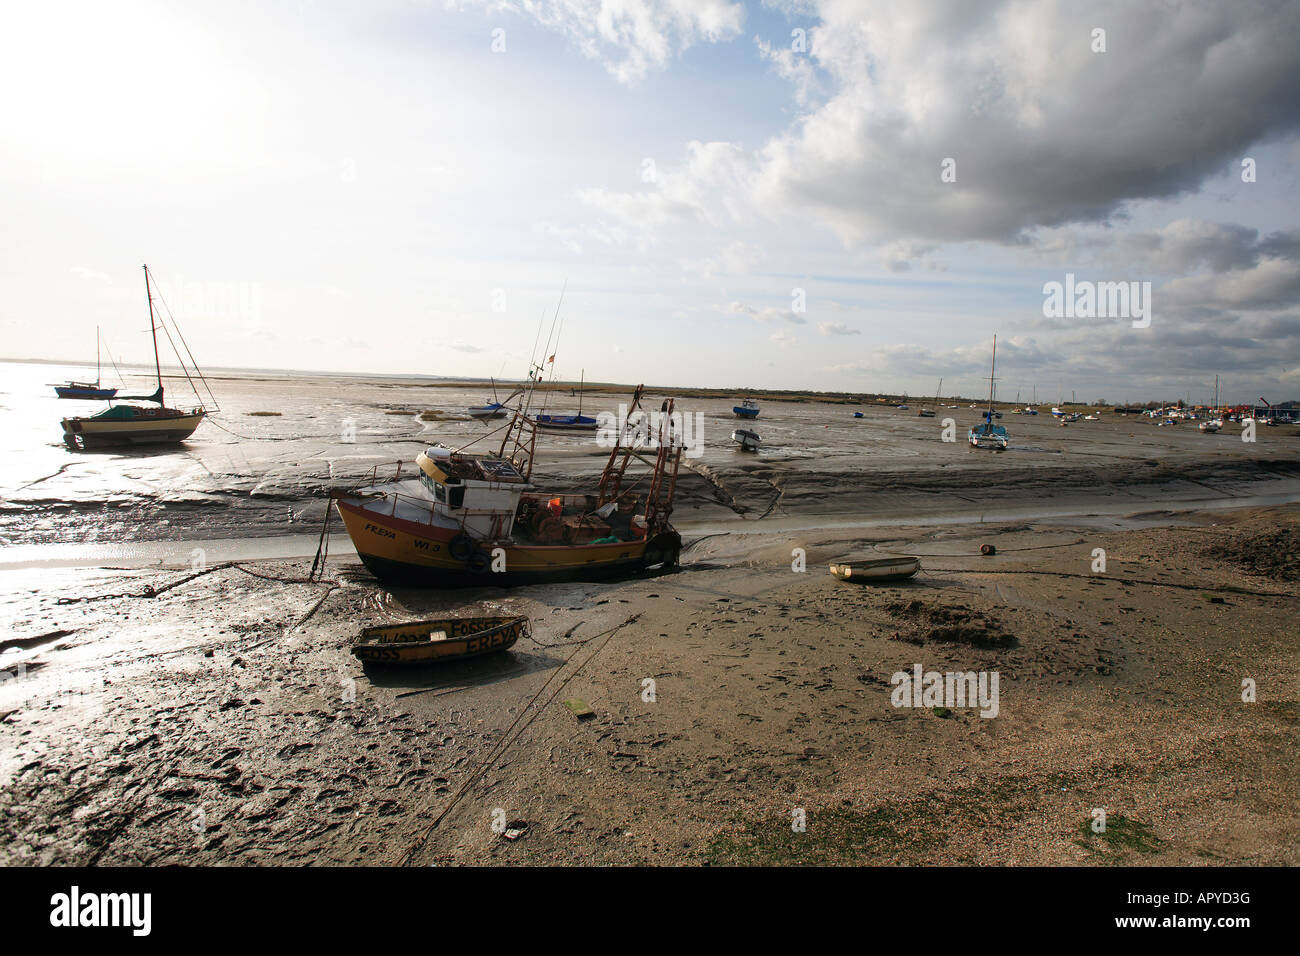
736, 194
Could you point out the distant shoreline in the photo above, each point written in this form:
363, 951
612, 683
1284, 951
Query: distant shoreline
219, 373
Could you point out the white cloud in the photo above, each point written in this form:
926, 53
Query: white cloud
713, 187
633, 37
767, 315
1043, 130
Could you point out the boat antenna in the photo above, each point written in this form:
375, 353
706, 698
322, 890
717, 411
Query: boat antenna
552, 340
97, 373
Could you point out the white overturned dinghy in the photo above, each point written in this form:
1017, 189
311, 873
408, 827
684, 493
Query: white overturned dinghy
870, 569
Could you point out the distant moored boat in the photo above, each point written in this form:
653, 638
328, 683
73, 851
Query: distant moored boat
87, 390
989, 435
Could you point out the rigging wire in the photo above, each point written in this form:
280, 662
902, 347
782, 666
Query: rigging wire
167, 308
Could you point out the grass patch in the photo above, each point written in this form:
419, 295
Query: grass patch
836, 836
1121, 834
265, 414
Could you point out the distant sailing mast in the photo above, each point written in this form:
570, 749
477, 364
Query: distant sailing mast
86, 389
989, 435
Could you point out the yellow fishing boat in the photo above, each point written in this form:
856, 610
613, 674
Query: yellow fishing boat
441, 639
476, 518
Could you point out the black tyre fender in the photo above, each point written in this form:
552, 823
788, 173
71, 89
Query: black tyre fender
460, 547
479, 562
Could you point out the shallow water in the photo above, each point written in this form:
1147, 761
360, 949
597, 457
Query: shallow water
245, 475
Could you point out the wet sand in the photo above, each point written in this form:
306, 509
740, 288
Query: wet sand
245, 475
232, 727
170, 705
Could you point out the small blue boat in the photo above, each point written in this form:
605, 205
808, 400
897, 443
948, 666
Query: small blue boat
857, 414
80, 390
87, 390
490, 410
494, 408
578, 423
746, 409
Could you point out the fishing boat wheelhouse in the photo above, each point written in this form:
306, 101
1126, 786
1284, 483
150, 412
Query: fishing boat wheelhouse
477, 519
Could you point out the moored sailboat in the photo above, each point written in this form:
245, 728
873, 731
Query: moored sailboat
494, 408
138, 424
87, 390
569, 423
989, 435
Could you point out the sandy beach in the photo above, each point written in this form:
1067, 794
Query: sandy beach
160, 709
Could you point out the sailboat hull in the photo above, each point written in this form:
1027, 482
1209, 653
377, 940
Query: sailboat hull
419, 554
566, 423
163, 427
84, 391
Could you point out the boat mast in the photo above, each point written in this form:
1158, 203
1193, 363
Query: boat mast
582, 383
97, 356
992, 368
153, 327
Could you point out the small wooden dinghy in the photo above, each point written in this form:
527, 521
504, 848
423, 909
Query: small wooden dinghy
746, 439
442, 639
870, 569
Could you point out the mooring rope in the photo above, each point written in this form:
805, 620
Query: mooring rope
511, 735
